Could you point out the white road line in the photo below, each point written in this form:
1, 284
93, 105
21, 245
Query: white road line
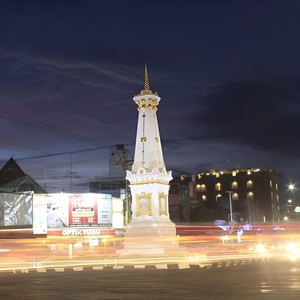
59, 269
24, 271
118, 267
139, 266
43, 270
160, 267
182, 266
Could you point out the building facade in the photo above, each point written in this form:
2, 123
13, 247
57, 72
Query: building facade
241, 195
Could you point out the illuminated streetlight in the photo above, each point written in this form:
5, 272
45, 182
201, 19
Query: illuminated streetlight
230, 204
291, 187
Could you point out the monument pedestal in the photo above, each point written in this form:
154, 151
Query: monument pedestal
151, 238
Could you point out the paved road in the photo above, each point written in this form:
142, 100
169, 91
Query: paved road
259, 280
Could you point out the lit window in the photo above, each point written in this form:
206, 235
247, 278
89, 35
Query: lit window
249, 172
199, 176
270, 183
249, 184
234, 185
235, 196
201, 187
204, 198
233, 173
218, 186
182, 177
218, 197
217, 174
250, 196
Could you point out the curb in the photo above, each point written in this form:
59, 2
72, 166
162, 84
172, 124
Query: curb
195, 265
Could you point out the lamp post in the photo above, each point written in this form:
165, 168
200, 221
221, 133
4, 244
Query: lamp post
291, 188
230, 205
290, 205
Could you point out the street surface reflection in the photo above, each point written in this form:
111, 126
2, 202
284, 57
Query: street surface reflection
197, 245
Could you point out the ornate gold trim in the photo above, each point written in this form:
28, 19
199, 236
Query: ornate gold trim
162, 198
150, 103
143, 204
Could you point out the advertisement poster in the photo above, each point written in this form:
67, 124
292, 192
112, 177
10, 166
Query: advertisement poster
105, 210
39, 204
57, 210
78, 210
83, 210
16, 209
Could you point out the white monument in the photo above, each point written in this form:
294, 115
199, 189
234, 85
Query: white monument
150, 230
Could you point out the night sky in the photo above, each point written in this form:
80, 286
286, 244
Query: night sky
228, 73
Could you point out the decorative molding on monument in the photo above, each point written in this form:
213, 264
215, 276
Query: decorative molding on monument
143, 204
143, 103
163, 200
156, 176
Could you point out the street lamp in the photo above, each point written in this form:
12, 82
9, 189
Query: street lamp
291, 187
230, 204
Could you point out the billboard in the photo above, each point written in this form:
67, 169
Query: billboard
60, 210
39, 207
79, 210
16, 209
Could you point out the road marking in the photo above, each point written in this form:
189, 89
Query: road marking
182, 266
59, 269
160, 267
139, 266
98, 268
24, 271
42, 270
78, 269
205, 265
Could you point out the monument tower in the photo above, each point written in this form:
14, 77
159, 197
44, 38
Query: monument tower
149, 182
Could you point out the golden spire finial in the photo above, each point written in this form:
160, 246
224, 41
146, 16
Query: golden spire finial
146, 80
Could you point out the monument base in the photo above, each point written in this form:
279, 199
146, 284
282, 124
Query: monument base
151, 238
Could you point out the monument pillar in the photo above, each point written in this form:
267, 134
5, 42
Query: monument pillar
150, 230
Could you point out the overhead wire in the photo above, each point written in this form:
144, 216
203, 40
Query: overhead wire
49, 128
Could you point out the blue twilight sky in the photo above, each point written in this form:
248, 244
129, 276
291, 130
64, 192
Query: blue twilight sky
228, 73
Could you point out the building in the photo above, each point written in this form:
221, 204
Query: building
13, 179
182, 197
242, 195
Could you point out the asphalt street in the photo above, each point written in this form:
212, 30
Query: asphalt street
257, 279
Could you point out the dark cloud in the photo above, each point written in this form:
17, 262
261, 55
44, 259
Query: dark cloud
264, 115
227, 73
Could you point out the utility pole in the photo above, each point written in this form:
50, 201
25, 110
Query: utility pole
230, 205
122, 159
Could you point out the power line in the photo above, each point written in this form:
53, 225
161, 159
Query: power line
70, 152
48, 128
